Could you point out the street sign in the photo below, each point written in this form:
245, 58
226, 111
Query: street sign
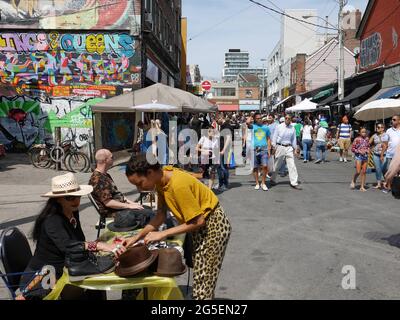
206, 85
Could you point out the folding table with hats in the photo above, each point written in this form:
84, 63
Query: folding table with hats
155, 287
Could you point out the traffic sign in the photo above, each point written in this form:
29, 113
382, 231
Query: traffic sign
206, 85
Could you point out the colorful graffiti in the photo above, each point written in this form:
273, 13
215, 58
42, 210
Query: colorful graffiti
71, 14
30, 121
371, 49
32, 61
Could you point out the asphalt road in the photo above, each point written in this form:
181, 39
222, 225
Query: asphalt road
285, 244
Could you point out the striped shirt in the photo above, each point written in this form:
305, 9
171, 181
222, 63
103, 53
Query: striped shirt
344, 131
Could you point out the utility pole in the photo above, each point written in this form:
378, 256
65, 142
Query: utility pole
326, 29
341, 53
262, 85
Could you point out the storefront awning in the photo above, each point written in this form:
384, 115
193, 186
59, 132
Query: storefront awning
355, 94
228, 107
249, 107
385, 93
328, 100
323, 94
283, 101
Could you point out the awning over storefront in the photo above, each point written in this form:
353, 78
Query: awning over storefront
323, 94
228, 107
355, 94
249, 107
283, 101
328, 100
385, 93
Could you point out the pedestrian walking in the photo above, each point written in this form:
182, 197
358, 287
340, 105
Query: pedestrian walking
343, 136
380, 143
320, 151
262, 151
225, 145
394, 141
361, 148
285, 144
207, 147
307, 141
197, 210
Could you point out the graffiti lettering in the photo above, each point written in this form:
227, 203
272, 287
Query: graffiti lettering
371, 48
58, 59
119, 44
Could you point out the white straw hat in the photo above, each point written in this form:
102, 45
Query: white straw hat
67, 185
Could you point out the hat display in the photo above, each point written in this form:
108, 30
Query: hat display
124, 221
169, 263
135, 260
67, 185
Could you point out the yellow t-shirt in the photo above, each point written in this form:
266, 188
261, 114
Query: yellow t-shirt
186, 196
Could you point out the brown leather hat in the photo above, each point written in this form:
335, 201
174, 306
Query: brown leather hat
170, 263
135, 260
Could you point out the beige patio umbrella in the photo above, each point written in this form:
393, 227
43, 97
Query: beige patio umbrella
159, 94
378, 109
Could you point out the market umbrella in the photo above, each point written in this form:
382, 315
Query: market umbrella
157, 93
378, 109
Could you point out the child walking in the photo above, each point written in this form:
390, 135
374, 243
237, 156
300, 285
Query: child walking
360, 148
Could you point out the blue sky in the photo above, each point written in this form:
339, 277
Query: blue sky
217, 25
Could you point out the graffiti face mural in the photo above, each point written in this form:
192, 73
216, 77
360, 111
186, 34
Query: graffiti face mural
71, 14
43, 62
29, 121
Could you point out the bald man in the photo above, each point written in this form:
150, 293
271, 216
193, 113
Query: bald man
105, 192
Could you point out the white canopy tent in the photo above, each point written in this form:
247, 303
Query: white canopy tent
305, 105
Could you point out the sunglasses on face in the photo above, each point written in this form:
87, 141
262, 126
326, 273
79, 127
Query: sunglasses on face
72, 198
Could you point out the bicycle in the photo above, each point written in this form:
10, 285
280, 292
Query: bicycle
46, 155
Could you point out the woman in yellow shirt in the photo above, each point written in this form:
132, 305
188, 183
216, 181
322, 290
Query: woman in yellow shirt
197, 210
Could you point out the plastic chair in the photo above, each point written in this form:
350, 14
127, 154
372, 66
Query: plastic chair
15, 254
102, 220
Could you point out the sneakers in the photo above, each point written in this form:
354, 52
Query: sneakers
305, 161
264, 187
345, 160
341, 159
352, 185
82, 264
257, 187
317, 161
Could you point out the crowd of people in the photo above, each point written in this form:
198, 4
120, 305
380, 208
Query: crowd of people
272, 141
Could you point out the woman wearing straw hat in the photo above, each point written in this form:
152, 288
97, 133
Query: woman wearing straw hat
57, 226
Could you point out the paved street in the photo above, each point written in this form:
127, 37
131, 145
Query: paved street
286, 244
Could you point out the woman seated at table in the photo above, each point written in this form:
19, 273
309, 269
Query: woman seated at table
197, 210
57, 226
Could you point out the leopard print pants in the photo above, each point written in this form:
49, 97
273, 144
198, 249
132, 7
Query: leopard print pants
209, 245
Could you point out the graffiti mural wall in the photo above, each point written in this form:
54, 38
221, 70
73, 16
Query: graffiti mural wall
70, 14
63, 65
28, 121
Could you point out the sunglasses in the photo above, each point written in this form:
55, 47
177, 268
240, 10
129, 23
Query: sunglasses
72, 198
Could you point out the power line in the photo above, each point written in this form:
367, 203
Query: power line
219, 23
323, 59
291, 17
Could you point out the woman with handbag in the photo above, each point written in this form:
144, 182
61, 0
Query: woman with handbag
380, 143
57, 228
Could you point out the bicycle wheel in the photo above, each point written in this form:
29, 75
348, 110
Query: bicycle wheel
40, 158
78, 162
